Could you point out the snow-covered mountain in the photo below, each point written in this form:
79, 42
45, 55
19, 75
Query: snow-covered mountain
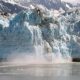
50, 4
10, 7
14, 6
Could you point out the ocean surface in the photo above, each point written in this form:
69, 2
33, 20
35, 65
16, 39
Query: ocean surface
67, 71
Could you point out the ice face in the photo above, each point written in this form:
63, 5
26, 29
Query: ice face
33, 32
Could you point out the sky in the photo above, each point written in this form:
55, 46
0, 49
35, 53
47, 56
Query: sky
72, 1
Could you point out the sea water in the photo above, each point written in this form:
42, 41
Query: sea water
70, 71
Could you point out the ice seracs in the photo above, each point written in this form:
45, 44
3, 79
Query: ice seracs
41, 33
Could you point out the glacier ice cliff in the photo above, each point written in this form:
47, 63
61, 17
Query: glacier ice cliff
33, 32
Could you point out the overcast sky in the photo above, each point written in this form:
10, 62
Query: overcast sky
72, 1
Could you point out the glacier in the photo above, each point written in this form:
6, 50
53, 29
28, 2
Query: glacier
39, 33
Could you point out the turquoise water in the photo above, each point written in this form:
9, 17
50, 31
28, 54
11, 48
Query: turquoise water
69, 71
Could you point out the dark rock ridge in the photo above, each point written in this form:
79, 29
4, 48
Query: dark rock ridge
75, 59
